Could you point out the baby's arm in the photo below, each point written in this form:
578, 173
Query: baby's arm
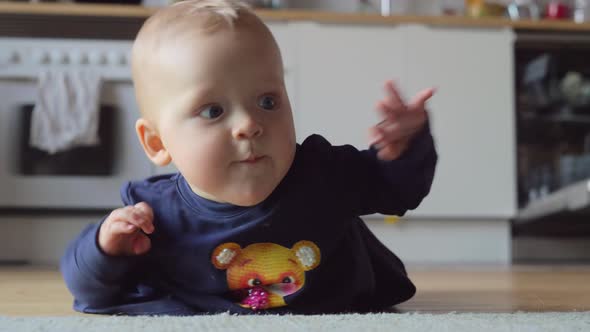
406, 155
400, 122
99, 266
396, 173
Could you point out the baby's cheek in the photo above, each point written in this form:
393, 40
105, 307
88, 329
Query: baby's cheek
207, 173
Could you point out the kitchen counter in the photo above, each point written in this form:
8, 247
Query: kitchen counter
140, 12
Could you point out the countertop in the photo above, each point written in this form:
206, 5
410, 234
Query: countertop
121, 11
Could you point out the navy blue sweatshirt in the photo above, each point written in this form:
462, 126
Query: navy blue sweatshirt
302, 250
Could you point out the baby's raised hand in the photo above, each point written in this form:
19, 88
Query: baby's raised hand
124, 231
400, 122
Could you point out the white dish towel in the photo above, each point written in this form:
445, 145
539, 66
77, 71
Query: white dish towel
66, 112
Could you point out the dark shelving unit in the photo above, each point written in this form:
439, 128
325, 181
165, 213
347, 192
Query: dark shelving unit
552, 77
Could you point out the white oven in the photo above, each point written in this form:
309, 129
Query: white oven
83, 177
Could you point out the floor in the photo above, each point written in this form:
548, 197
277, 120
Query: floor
501, 289
40, 291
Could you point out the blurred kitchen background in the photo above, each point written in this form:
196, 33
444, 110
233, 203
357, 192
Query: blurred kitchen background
511, 117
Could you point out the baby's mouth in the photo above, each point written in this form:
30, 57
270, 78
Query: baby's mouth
252, 159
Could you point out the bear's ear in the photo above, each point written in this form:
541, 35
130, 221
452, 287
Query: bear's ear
225, 254
308, 254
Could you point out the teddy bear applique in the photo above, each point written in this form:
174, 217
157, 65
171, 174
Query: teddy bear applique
262, 274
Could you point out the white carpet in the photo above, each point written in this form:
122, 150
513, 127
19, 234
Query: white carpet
575, 321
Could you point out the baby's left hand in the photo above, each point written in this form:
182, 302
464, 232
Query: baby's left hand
400, 123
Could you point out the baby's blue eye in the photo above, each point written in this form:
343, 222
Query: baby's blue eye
211, 112
267, 102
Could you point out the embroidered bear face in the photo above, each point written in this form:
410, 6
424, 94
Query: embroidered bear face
264, 273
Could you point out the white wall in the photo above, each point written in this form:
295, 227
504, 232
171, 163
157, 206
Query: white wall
39, 240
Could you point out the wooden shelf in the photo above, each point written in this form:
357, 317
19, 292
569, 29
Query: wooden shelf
70, 9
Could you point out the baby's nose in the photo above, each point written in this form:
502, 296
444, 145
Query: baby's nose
247, 128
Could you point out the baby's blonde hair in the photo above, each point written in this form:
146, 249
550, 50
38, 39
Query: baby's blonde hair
226, 10
185, 18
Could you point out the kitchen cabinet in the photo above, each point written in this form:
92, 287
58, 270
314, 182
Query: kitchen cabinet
472, 117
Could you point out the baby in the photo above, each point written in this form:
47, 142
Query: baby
253, 222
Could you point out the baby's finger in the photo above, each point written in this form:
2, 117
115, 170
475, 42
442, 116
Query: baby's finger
375, 135
384, 111
137, 218
393, 99
420, 99
121, 227
406, 124
141, 245
396, 134
145, 209
117, 215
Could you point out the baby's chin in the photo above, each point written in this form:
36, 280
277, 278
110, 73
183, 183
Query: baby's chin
250, 199
241, 196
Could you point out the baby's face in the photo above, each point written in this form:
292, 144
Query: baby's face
224, 114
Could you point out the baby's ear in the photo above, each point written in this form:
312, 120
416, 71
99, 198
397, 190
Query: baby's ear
225, 254
151, 142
